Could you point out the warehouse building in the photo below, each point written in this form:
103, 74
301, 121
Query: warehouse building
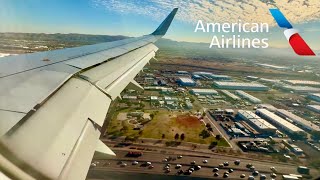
314, 108
301, 89
267, 106
240, 86
183, 72
272, 66
230, 95
270, 81
302, 82
204, 92
278, 121
208, 75
298, 120
248, 97
315, 97
220, 77
256, 122
184, 81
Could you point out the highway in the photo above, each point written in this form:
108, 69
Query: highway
112, 165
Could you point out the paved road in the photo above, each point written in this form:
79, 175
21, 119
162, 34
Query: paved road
206, 170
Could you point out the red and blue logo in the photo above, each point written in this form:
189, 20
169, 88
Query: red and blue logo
299, 46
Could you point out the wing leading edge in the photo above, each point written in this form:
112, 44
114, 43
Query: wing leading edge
52, 104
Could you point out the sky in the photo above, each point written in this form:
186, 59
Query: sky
139, 17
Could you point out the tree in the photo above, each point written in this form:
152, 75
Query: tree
218, 137
204, 133
176, 137
182, 136
163, 136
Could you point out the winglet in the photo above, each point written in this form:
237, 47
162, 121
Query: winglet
162, 29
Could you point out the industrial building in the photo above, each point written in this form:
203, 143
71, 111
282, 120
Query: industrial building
315, 97
271, 81
189, 105
256, 122
240, 86
301, 89
302, 82
278, 121
314, 108
183, 72
208, 75
248, 97
230, 95
204, 92
267, 106
272, 66
158, 88
298, 120
184, 81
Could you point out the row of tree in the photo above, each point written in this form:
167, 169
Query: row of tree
176, 137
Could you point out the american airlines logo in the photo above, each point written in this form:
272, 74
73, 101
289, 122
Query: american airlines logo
299, 46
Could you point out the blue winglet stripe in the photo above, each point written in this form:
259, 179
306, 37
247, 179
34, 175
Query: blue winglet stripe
280, 19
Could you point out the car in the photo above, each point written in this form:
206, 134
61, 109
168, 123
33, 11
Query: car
120, 162
179, 157
216, 174
93, 165
263, 177
165, 160
123, 165
205, 161
180, 171
273, 175
230, 170
167, 171
226, 172
197, 168
255, 173
242, 176
151, 167
188, 172
249, 165
237, 162
226, 163
148, 163
191, 169
273, 169
166, 167
225, 175
250, 178
220, 165
215, 170
178, 166
135, 162
193, 162
252, 168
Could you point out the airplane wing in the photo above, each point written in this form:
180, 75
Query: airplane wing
53, 103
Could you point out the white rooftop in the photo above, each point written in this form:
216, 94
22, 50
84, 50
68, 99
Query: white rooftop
223, 83
204, 91
298, 120
255, 119
186, 80
279, 120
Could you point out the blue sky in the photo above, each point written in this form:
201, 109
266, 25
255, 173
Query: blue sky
135, 18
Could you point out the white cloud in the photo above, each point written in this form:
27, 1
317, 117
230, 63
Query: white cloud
190, 11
